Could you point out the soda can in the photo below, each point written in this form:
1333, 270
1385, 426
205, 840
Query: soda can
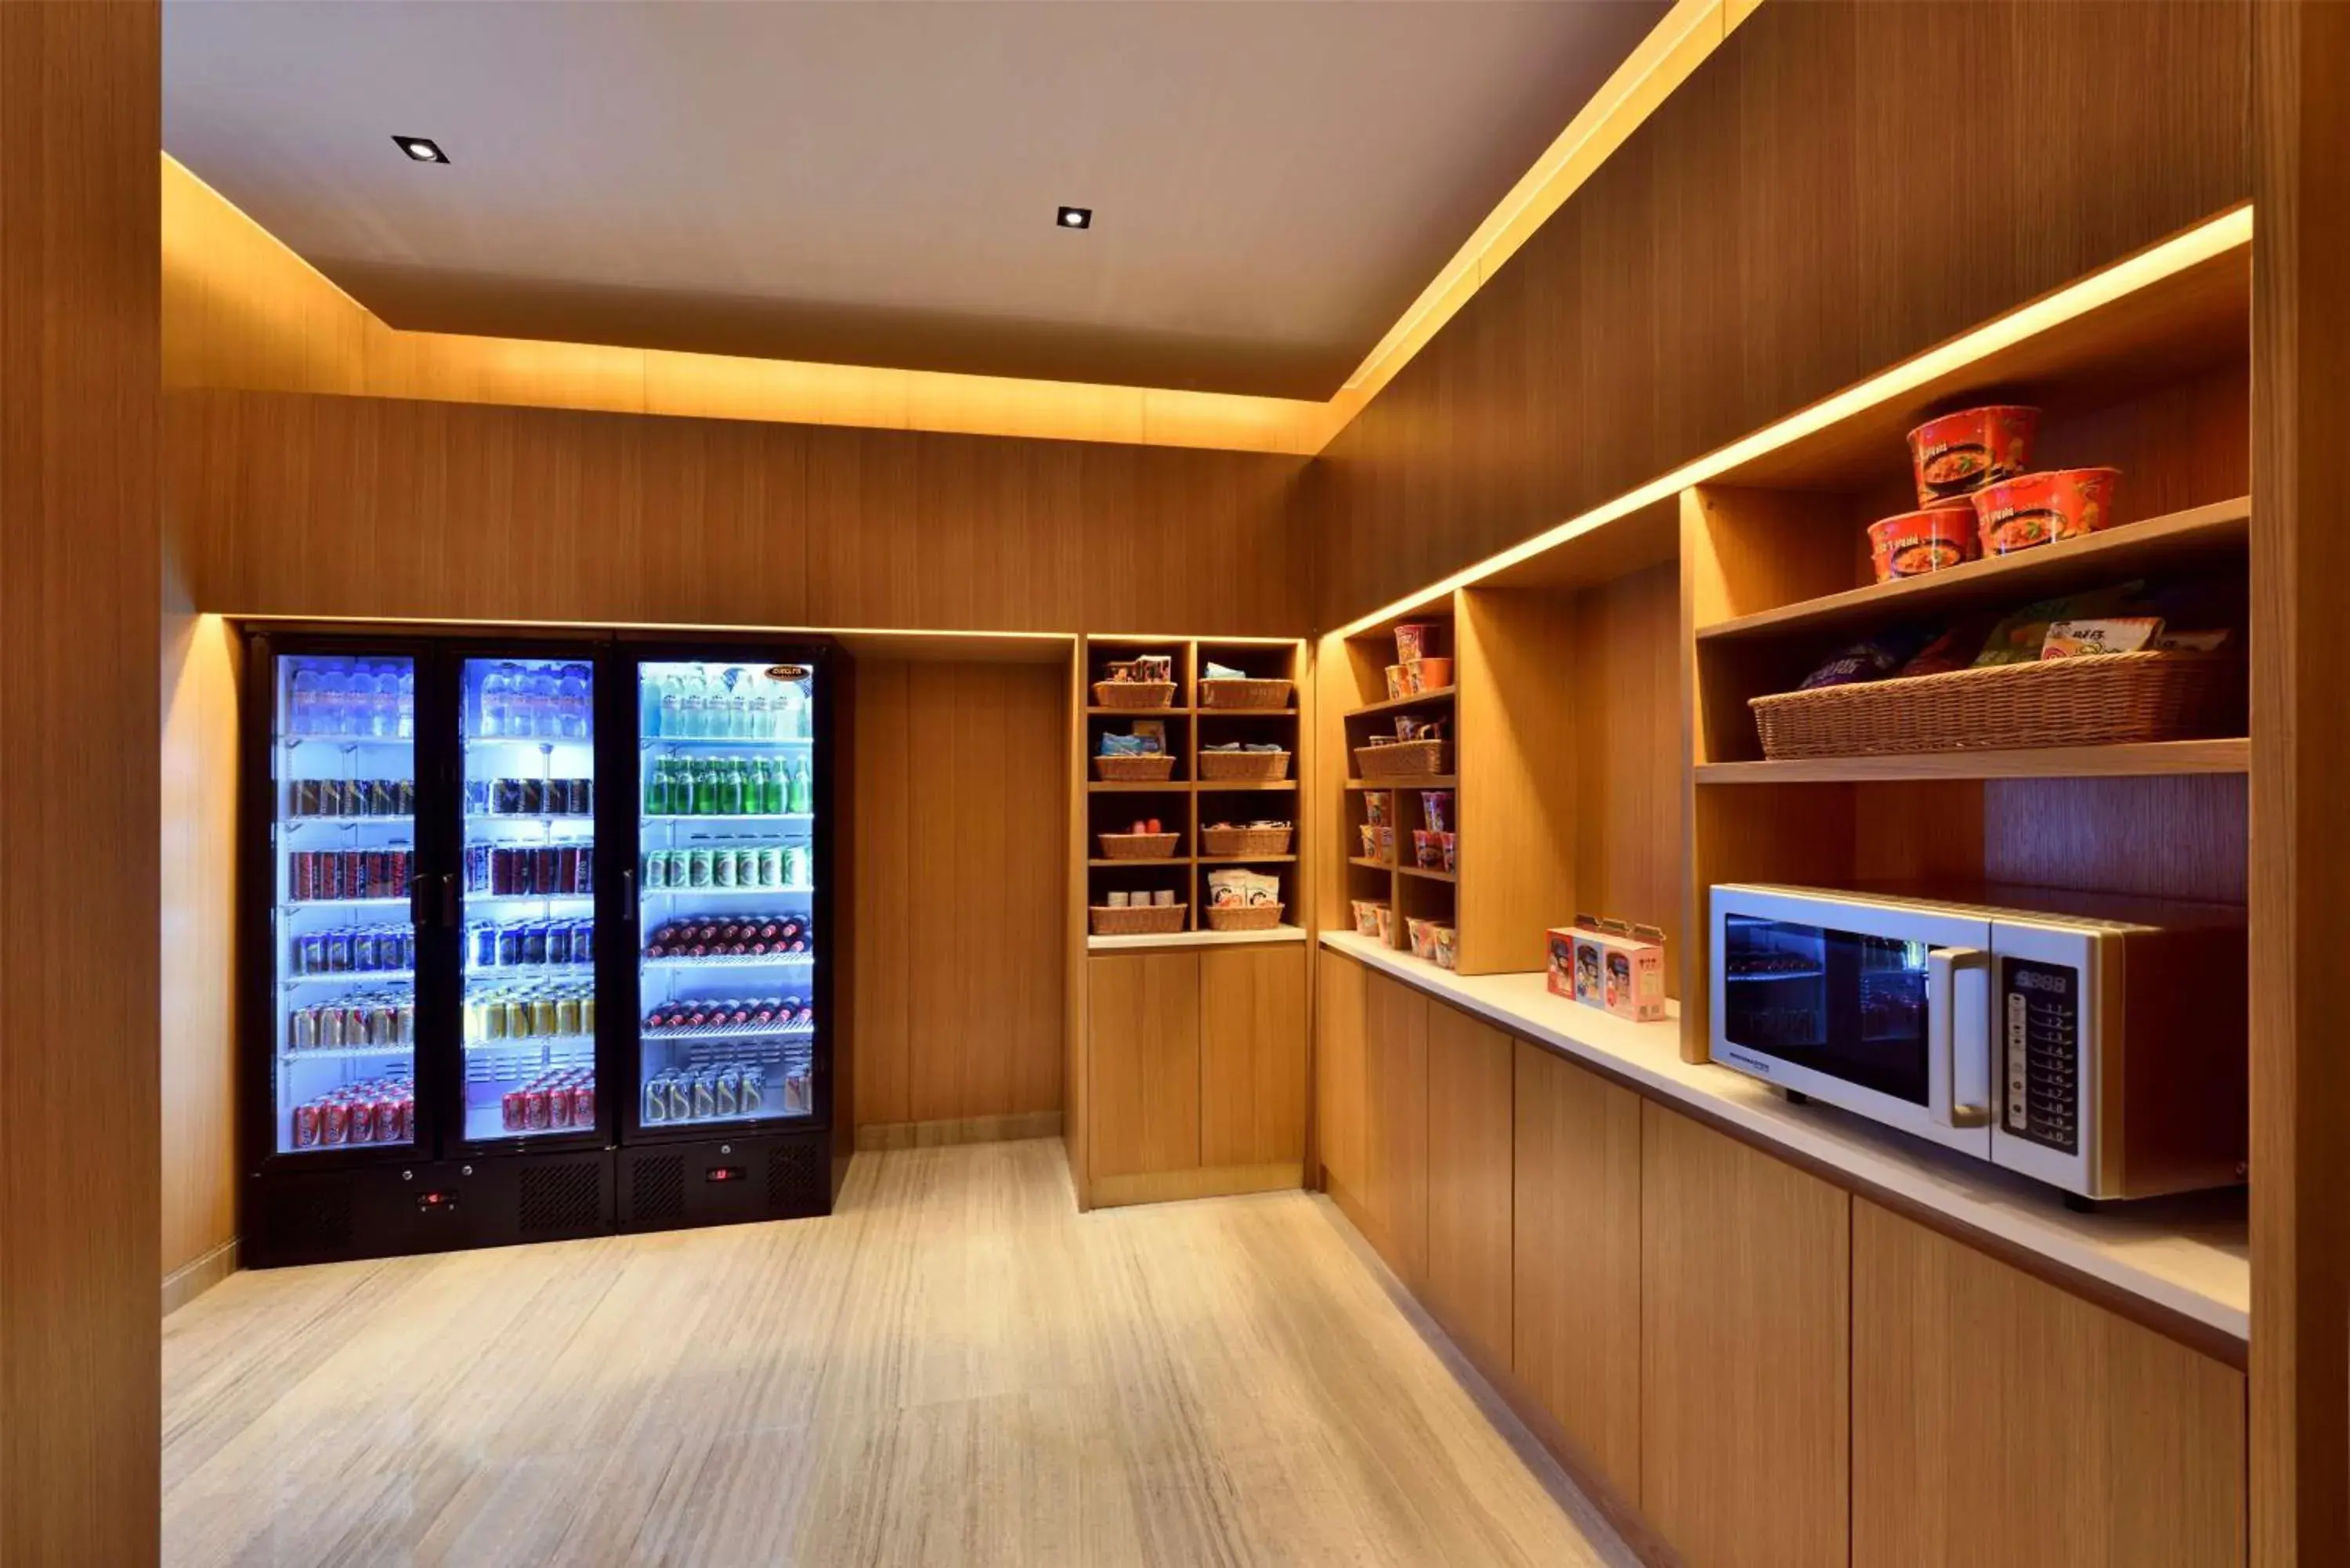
510, 1111
567, 1015
656, 1101
383, 1024
403, 1019
302, 875
559, 1105
545, 869
722, 868
796, 865
363, 950
771, 866
403, 798
753, 1094
302, 797
336, 951
532, 948
403, 861
558, 943
408, 950
583, 942
501, 871
506, 796
379, 798
583, 1103
656, 871
537, 1115
586, 858
587, 1013
680, 1098
306, 1125
537, 797
542, 1017
727, 1095
334, 1121
517, 1014
581, 797
407, 1115
329, 1028
481, 946
301, 1028
697, 869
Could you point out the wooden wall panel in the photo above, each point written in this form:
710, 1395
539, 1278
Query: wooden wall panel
1745, 1351
1575, 1251
1142, 1026
1339, 1073
1470, 1096
1628, 808
1768, 236
1998, 1420
1395, 1124
80, 718
960, 812
285, 504
1252, 1055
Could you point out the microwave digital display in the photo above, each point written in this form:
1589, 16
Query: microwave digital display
2040, 1034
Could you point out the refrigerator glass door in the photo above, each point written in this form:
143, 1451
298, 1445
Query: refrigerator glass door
726, 888
342, 853
526, 885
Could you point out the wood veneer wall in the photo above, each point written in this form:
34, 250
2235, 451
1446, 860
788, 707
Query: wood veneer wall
80, 1357
960, 867
1814, 202
291, 503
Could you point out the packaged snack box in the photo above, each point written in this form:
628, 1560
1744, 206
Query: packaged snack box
1610, 965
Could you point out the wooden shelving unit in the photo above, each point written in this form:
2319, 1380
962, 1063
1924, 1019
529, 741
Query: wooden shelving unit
1187, 803
2154, 759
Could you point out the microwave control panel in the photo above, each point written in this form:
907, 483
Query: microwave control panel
2040, 1012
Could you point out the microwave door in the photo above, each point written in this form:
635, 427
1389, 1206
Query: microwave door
1879, 1008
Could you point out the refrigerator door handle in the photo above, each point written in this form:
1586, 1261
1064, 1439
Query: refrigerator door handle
449, 901
628, 898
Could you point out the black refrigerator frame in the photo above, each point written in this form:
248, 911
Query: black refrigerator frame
444, 1191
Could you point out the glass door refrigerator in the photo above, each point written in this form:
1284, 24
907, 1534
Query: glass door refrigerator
420, 885
728, 1050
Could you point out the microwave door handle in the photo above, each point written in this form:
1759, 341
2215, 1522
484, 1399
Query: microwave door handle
1957, 1036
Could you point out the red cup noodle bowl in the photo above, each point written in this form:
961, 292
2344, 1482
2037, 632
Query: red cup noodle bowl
1958, 453
2041, 508
1916, 542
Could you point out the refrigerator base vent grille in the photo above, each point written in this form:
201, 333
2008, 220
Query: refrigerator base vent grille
658, 1189
310, 1217
560, 1198
796, 1177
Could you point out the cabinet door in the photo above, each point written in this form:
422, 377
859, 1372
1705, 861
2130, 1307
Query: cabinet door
1252, 1055
1142, 1029
1999, 1422
1576, 1258
1395, 1121
1469, 1097
1745, 1352
1339, 1070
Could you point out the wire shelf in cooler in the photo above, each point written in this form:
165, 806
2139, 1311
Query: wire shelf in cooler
303, 737
475, 898
724, 819
344, 1052
332, 976
314, 820
732, 961
524, 1043
730, 1031
791, 889
586, 740
529, 819
753, 743
293, 905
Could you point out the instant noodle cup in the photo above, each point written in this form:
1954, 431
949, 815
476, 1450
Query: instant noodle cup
2041, 508
1427, 674
1912, 544
1955, 454
1416, 640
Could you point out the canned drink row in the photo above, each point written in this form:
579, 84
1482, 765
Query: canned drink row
551, 1101
529, 1012
381, 1110
779, 866
530, 798
370, 1018
731, 1013
734, 936
546, 871
706, 1094
530, 944
350, 797
333, 874
365, 950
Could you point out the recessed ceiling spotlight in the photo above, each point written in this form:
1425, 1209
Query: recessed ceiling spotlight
423, 148
1076, 218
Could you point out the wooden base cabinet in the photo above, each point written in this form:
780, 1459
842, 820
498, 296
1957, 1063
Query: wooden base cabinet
1195, 1080
1395, 1126
1575, 1280
1745, 1352
1338, 1072
1999, 1422
1468, 1183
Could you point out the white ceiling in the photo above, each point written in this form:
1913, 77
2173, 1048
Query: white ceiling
867, 182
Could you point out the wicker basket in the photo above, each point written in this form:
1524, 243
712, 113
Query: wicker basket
1229, 841
1245, 918
1230, 693
1135, 770
2093, 701
1400, 760
1136, 846
1133, 693
1139, 920
1243, 764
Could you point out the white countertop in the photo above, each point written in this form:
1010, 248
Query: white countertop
1195, 940
2190, 1255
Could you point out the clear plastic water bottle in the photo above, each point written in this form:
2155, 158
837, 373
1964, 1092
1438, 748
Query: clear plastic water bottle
382, 689
492, 722
546, 709
794, 718
404, 703
334, 703
738, 703
695, 707
574, 693
302, 714
649, 703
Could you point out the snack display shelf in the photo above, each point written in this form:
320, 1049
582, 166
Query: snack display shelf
1409, 781
1429, 872
1417, 698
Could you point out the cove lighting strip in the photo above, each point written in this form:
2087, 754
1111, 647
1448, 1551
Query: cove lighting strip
2230, 231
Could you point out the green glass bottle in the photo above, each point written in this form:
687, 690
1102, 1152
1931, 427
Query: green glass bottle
706, 789
729, 790
657, 789
800, 794
771, 788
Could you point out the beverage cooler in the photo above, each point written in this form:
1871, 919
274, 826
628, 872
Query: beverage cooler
537, 938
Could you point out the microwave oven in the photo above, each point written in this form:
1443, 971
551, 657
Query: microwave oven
2094, 1042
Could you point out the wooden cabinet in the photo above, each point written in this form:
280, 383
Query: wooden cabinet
1576, 1284
1745, 1352
1395, 1125
1999, 1422
1339, 1069
1142, 1030
1252, 1055
1469, 1182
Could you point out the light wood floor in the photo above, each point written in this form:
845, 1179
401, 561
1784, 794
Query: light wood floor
957, 1368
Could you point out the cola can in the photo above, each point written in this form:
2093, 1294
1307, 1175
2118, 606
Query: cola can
510, 1110
580, 796
545, 869
407, 1115
583, 1103
502, 871
403, 862
329, 1028
506, 796
403, 798
335, 1122
559, 1105
302, 873
306, 1125
302, 1029
537, 1115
